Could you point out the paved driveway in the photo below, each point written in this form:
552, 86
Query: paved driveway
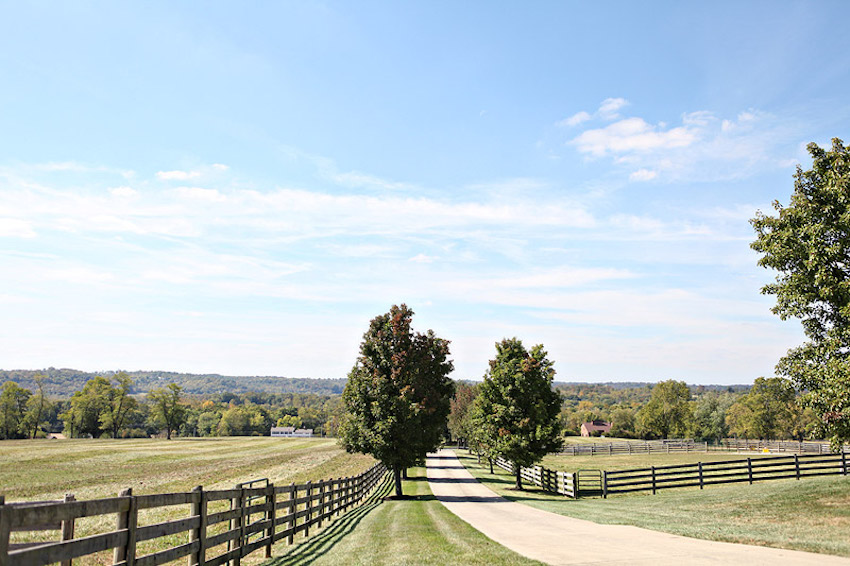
556, 539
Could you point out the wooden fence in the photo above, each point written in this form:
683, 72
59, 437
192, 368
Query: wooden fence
701, 474
640, 447
790, 446
564, 483
251, 518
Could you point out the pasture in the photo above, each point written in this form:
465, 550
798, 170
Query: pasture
811, 514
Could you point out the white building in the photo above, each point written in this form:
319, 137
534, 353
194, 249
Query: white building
291, 432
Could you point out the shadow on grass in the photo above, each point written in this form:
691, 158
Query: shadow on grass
307, 552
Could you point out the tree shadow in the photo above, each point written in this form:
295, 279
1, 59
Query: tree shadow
319, 545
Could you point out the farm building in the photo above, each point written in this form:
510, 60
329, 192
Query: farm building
595, 428
291, 431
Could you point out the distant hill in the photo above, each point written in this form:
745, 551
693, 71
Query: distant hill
64, 382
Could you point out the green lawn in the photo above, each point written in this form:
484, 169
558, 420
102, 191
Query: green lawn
415, 531
566, 463
811, 514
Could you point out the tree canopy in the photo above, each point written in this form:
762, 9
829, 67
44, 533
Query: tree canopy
398, 393
668, 412
808, 243
516, 411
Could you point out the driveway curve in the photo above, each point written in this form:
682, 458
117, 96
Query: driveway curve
556, 539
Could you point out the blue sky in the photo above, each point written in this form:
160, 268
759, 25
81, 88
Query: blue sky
240, 187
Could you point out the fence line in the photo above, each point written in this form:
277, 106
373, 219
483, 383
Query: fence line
701, 474
791, 446
638, 447
564, 483
251, 520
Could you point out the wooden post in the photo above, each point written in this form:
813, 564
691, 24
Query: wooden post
653, 480
5, 530
604, 484
127, 521
292, 507
271, 503
321, 502
844, 460
700, 475
309, 508
68, 527
750, 469
797, 465
237, 523
200, 509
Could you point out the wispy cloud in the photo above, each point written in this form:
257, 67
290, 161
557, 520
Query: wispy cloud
177, 175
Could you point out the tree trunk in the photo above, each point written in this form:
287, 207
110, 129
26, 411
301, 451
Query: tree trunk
518, 476
404, 473
397, 478
491, 464
167, 433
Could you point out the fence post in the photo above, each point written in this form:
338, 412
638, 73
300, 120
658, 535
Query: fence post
238, 523
309, 508
604, 484
271, 503
292, 508
700, 475
68, 527
127, 521
321, 502
653, 480
750, 470
843, 460
5, 530
797, 465
199, 509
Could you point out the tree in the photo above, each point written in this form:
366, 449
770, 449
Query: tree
667, 412
118, 404
397, 395
460, 424
38, 408
166, 409
766, 411
516, 408
709, 416
808, 243
13, 404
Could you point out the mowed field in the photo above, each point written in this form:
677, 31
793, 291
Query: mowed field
47, 469
91, 469
811, 514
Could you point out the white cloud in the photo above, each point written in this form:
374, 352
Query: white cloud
177, 175
632, 135
643, 175
16, 228
220, 167
200, 194
576, 119
422, 258
610, 108
124, 192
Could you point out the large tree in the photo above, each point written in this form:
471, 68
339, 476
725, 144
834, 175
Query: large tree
460, 421
808, 243
397, 395
166, 409
517, 410
765, 412
668, 412
13, 405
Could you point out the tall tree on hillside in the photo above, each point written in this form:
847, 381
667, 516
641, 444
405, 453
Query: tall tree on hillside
767, 411
118, 404
88, 406
166, 408
668, 412
516, 409
13, 405
808, 243
397, 395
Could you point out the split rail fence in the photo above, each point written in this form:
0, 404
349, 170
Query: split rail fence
642, 447
701, 474
597, 482
792, 446
245, 519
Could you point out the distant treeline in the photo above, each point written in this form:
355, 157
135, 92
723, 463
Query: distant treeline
62, 383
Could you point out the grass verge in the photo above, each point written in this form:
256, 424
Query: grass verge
811, 514
418, 530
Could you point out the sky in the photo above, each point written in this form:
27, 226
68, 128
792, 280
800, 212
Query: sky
240, 187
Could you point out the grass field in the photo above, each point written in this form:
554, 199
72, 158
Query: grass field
415, 531
626, 461
90, 469
811, 514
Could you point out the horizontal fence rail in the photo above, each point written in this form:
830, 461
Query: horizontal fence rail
701, 474
245, 519
549, 480
639, 447
791, 446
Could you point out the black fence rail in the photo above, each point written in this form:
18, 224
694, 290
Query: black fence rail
772, 446
222, 525
701, 474
637, 447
